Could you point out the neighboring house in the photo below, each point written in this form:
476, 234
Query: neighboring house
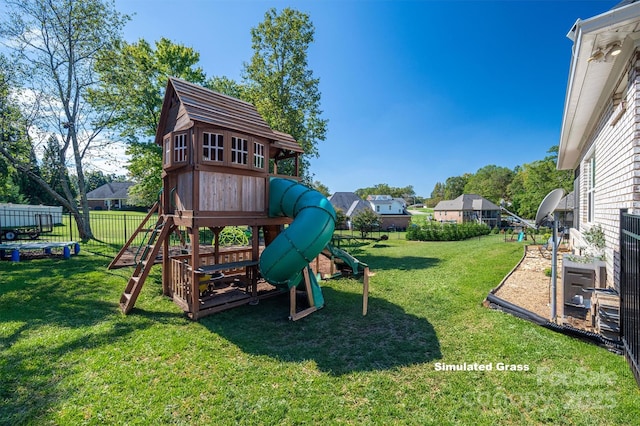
468, 208
392, 211
109, 196
565, 211
350, 204
599, 139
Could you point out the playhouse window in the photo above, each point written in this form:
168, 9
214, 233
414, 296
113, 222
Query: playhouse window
212, 147
258, 155
167, 150
239, 150
180, 148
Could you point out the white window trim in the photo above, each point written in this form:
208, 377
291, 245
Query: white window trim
239, 153
180, 148
258, 155
214, 143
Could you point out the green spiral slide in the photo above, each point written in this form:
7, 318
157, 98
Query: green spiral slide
283, 261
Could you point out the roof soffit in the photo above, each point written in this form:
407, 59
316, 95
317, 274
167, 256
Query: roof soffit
592, 83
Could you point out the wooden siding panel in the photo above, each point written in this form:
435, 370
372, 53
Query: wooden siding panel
184, 192
224, 192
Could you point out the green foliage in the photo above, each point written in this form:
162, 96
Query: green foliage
454, 186
281, 85
133, 79
491, 182
146, 168
533, 181
437, 231
341, 219
54, 47
133, 82
406, 192
365, 221
596, 243
229, 87
321, 188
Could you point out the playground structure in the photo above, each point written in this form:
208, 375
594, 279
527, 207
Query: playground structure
223, 166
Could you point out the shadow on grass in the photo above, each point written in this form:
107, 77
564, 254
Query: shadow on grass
405, 263
51, 312
337, 338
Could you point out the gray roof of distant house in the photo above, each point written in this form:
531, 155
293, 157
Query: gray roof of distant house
467, 202
111, 191
343, 200
348, 202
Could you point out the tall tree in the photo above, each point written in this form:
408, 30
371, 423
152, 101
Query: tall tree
491, 182
133, 82
13, 139
533, 181
321, 188
454, 186
384, 189
281, 85
54, 44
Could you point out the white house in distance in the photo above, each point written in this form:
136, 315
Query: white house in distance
392, 211
600, 138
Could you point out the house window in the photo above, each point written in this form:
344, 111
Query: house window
239, 150
258, 155
180, 148
591, 189
212, 147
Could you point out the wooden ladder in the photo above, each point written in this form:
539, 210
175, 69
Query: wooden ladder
143, 227
162, 230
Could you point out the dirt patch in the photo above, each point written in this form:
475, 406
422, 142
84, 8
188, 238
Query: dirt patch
528, 287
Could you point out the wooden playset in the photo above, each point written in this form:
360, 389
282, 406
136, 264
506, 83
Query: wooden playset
222, 167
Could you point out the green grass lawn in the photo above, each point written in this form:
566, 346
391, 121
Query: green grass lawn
67, 355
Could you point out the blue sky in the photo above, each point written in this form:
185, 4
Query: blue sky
414, 91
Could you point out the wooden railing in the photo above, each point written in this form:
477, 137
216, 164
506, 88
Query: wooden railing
180, 285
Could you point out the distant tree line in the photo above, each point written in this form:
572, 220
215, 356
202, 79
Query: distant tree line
521, 189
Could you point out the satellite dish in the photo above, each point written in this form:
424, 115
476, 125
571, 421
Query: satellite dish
548, 205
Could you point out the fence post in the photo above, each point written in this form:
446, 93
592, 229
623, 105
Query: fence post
124, 217
70, 227
621, 277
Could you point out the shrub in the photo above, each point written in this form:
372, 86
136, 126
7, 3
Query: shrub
435, 231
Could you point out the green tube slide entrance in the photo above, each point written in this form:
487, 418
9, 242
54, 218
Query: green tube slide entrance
283, 261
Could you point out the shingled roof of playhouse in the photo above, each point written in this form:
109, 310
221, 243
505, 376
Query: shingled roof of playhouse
186, 102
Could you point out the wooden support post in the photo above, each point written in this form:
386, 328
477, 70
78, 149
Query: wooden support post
365, 291
167, 285
293, 315
255, 255
307, 284
216, 243
292, 303
194, 237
